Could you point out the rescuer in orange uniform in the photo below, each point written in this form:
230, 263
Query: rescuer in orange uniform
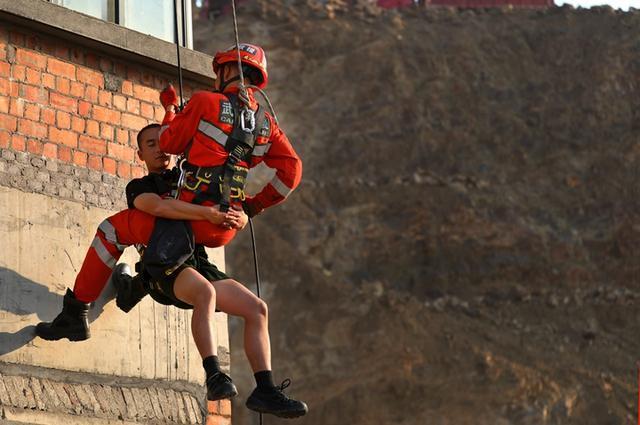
221, 139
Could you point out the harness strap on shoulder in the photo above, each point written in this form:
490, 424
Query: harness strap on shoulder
240, 147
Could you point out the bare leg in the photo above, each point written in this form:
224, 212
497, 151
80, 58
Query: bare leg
192, 288
233, 298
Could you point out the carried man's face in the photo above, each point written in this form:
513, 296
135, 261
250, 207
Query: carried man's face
150, 152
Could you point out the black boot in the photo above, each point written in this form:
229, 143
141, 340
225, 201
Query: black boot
274, 401
71, 323
130, 290
220, 386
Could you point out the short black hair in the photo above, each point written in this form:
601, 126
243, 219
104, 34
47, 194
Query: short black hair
252, 73
138, 137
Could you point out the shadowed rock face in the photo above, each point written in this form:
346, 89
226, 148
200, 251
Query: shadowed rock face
463, 247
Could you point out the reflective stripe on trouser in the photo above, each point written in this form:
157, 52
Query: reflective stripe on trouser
130, 227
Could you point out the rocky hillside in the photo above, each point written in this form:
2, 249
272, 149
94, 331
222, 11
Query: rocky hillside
463, 248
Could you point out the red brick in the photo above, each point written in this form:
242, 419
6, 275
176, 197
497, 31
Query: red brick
146, 110
133, 74
63, 137
49, 81
120, 102
62, 85
7, 122
3, 51
77, 89
159, 114
50, 150
77, 56
48, 116
32, 128
133, 122
16, 107
34, 77
34, 146
147, 78
106, 131
32, 93
48, 47
63, 119
124, 170
18, 142
90, 77
106, 115
133, 138
145, 93
104, 98
137, 172
133, 106
91, 94
17, 38
127, 88
62, 51
14, 86
5, 86
225, 407
5, 69
4, 104
95, 162
121, 152
93, 128
122, 136
91, 145
91, 60
30, 58
77, 124
84, 108
80, 158
32, 111
217, 420
5, 136
19, 73
120, 69
109, 165
65, 103
61, 69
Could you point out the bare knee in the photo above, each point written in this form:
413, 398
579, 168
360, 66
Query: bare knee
260, 311
205, 297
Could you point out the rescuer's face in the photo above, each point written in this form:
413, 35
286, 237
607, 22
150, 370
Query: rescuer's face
150, 152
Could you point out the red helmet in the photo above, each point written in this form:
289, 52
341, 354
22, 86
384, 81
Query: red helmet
250, 55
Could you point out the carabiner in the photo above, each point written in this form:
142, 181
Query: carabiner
251, 116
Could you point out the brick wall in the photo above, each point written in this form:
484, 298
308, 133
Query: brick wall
68, 103
69, 116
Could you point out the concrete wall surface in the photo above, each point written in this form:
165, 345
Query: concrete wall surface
44, 241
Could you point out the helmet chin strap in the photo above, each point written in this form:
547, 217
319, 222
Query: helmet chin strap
225, 83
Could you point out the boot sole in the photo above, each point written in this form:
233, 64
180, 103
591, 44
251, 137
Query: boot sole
73, 338
223, 396
286, 415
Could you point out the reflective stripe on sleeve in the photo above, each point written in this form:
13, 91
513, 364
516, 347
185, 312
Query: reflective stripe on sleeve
162, 129
213, 132
103, 253
110, 234
261, 150
282, 188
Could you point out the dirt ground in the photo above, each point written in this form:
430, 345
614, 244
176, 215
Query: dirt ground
463, 248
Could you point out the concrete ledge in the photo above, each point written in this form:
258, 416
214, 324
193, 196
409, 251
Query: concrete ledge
108, 37
47, 397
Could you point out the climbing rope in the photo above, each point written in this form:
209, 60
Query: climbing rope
244, 97
175, 22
